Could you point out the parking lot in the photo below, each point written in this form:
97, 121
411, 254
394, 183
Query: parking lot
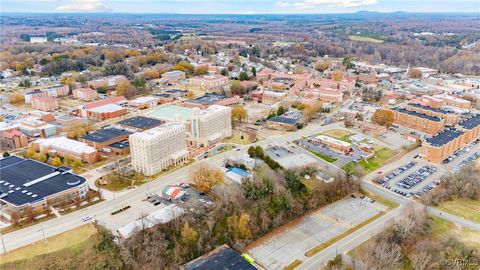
290, 242
342, 158
416, 178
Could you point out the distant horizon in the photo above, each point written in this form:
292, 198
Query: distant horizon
238, 7
254, 14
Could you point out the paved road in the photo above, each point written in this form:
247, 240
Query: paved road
375, 227
134, 197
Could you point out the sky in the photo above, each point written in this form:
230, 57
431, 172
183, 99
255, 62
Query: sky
238, 6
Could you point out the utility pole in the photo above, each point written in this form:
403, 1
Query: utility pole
43, 233
3, 244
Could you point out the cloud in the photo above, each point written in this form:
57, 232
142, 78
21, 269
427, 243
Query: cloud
311, 4
84, 6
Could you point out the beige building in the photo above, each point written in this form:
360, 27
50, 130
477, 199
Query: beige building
158, 148
211, 125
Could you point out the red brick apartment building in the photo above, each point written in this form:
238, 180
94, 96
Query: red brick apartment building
450, 117
445, 143
418, 121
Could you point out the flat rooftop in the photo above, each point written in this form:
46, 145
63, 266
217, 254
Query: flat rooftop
172, 113
221, 258
105, 134
141, 122
416, 105
444, 137
471, 122
208, 98
421, 115
28, 181
284, 120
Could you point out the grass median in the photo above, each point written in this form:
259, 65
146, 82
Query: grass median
324, 157
293, 265
337, 238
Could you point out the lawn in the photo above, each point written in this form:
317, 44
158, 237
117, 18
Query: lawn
339, 134
365, 39
54, 243
442, 227
381, 155
466, 208
237, 138
324, 157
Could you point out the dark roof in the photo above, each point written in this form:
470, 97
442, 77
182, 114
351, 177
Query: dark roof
284, 120
444, 137
471, 122
105, 134
15, 172
430, 108
162, 95
208, 99
421, 115
120, 145
176, 91
141, 122
221, 258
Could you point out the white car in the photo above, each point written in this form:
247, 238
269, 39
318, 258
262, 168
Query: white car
86, 218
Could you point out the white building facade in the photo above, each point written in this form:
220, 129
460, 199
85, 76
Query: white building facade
211, 125
158, 148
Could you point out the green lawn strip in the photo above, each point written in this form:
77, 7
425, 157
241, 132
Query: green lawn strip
381, 156
70, 210
380, 199
24, 224
293, 265
324, 157
328, 243
466, 208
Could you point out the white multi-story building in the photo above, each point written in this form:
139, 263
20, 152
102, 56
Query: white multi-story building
155, 149
211, 125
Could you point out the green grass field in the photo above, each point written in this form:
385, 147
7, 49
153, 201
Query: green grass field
365, 39
466, 208
339, 134
55, 243
381, 155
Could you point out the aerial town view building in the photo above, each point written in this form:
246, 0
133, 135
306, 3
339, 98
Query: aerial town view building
239, 135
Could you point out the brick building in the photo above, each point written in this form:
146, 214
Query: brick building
418, 121
45, 103
445, 143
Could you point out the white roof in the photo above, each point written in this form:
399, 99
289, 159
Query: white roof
163, 216
67, 144
295, 161
107, 108
158, 131
332, 140
141, 100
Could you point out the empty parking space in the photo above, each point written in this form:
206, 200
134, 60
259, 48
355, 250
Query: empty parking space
280, 248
